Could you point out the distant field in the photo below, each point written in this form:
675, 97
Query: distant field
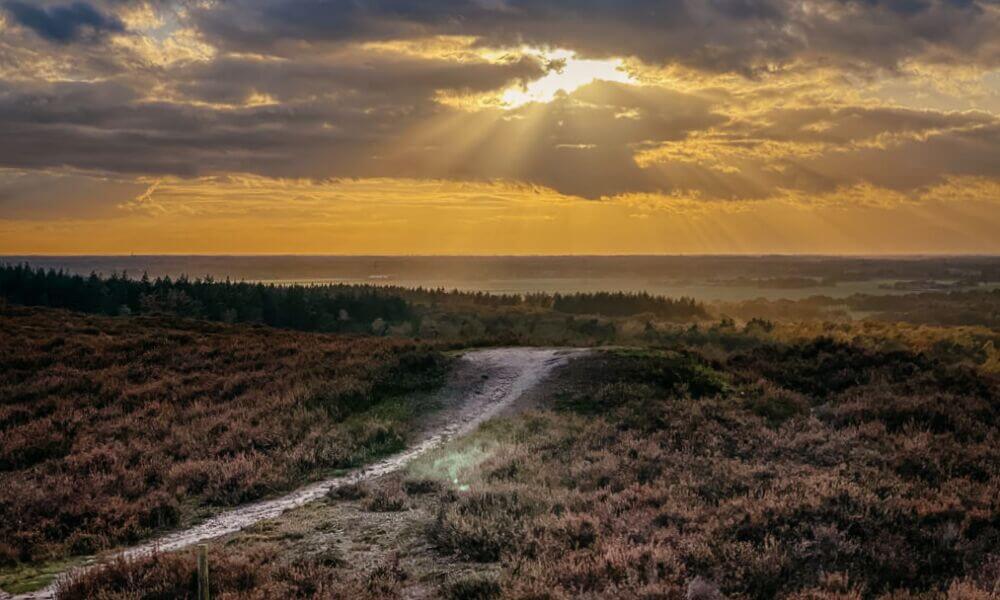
708, 278
705, 291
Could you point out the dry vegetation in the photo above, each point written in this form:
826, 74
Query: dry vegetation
114, 428
814, 470
812, 460
821, 471
258, 574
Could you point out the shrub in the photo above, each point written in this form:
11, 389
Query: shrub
114, 428
482, 525
775, 403
261, 573
473, 587
389, 496
417, 487
348, 491
888, 489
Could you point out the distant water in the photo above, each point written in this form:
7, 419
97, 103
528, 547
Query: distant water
704, 277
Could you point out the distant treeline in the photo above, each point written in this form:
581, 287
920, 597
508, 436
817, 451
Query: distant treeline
971, 307
626, 304
965, 307
345, 308
321, 308
608, 304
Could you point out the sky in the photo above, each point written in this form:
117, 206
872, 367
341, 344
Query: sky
499, 126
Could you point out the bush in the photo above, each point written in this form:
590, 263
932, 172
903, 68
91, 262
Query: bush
475, 587
482, 525
262, 573
114, 428
389, 496
417, 487
348, 491
888, 489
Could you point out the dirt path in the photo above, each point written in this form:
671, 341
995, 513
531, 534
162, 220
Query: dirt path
483, 384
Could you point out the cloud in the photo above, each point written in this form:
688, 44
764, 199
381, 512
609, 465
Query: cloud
401, 79
601, 140
728, 99
64, 24
721, 35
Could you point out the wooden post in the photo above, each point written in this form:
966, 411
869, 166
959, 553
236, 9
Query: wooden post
202, 571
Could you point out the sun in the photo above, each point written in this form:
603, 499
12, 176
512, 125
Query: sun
569, 72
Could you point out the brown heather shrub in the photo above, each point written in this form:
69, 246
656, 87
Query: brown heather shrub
883, 482
350, 491
474, 587
702, 589
262, 573
388, 496
420, 486
483, 525
114, 428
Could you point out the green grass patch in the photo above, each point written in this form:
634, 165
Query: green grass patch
25, 578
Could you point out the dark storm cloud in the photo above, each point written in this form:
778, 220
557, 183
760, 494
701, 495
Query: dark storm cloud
579, 143
64, 23
916, 163
575, 147
108, 127
42, 195
735, 35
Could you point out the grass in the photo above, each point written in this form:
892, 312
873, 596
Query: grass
28, 578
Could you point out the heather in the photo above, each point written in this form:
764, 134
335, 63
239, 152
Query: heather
260, 574
809, 469
112, 429
816, 470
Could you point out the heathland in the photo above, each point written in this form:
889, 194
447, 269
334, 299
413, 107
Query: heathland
804, 449
111, 429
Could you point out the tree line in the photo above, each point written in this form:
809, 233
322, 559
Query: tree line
306, 308
331, 307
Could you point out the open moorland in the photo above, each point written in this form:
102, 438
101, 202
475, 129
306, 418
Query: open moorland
686, 454
111, 429
815, 470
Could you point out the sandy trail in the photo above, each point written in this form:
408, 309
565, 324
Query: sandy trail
484, 383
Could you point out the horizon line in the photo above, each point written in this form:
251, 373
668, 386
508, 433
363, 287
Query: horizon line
910, 255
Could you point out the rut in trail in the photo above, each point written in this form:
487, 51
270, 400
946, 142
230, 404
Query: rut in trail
484, 382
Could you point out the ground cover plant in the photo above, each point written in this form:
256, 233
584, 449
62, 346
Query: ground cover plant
260, 574
114, 428
811, 469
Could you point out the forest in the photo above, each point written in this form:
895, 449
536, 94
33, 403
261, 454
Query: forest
329, 308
